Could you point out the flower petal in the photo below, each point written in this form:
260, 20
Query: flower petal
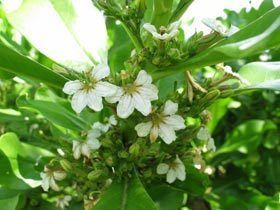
94, 101
176, 121
125, 106
143, 78
105, 89
59, 175
113, 120
162, 168
171, 176
143, 129
149, 91
93, 144
72, 87
45, 182
150, 28
203, 134
167, 133
154, 133
79, 101
116, 97
141, 104
101, 71
53, 185
76, 149
170, 108
85, 150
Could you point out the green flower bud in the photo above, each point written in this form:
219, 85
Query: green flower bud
134, 149
94, 175
107, 143
110, 161
123, 154
66, 165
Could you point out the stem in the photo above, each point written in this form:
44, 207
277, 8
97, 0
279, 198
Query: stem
135, 39
124, 195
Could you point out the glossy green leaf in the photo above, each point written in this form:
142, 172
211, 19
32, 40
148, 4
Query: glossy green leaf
262, 34
129, 195
166, 197
14, 150
9, 204
261, 75
62, 30
6, 193
13, 62
55, 113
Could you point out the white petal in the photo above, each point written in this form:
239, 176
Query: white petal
105, 89
113, 120
211, 145
174, 26
162, 168
154, 133
79, 101
181, 173
94, 101
85, 150
93, 144
232, 30
170, 108
149, 91
171, 176
149, 27
143, 78
141, 104
116, 97
76, 149
53, 185
125, 106
176, 121
94, 133
59, 175
72, 87
167, 133
45, 182
101, 71
143, 129
203, 134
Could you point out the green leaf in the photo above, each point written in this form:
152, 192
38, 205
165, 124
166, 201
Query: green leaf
261, 75
10, 204
6, 193
260, 35
166, 197
55, 113
162, 11
181, 9
15, 151
126, 195
13, 62
62, 30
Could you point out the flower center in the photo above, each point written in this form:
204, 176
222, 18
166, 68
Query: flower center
173, 165
89, 84
130, 88
162, 30
157, 119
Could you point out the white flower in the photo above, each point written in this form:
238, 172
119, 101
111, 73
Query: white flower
49, 177
164, 33
173, 171
137, 95
228, 71
85, 147
163, 124
89, 93
211, 145
219, 27
204, 134
63, 202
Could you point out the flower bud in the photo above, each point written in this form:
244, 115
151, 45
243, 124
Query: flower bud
66, 165
134, 149
94, 175
123, 154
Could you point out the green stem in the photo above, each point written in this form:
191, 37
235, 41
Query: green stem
134, 38
124, 195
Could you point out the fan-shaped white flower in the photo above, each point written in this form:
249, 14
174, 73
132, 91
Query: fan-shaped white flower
137, 95
85, 147
49, 177
173, 171
162, 124
228, 71
90, 92
219, 27
164, 33
63, 202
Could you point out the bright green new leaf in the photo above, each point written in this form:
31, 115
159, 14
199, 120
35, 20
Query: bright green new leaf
55, 113
261, 75
127, 195
14, 150
62, 30
13, 62
260, 35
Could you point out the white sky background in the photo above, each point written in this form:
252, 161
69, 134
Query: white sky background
215, 8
